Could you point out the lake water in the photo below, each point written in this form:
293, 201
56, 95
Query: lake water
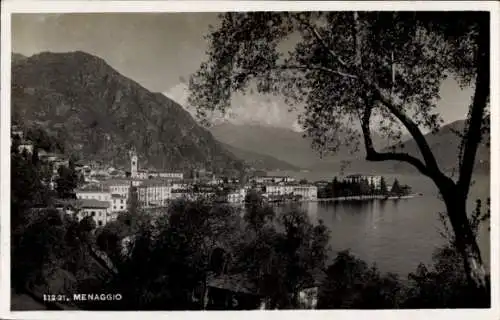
395, 234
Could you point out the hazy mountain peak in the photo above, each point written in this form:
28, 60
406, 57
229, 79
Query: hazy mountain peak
246, 109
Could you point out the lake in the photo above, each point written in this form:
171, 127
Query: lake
395, 234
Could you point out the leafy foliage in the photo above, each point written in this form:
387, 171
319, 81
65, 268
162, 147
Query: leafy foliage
67, 181
355, 68
352, 284
247, 51
444, 285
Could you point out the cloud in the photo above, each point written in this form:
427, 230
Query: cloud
245, 109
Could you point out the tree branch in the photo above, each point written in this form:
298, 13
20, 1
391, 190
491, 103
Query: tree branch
373, 155
431, 167
318, 68
318, 37
482, 91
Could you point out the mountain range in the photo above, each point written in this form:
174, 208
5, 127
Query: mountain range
290, 146
100, 114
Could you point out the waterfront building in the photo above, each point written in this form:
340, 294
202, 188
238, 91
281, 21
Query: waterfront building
278, 190
372, 179
306, 192
272, 179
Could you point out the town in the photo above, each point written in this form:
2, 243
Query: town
103, 191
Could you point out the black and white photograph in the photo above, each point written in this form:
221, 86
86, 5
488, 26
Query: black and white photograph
250, 159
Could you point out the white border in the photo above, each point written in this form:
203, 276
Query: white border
17, 6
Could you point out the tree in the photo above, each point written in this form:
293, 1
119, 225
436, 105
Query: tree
283, 257
364, 186
257, 213
133, 200
67, 181
303, 181
396, 188
352, 67
383, 186
168, 261
352, 284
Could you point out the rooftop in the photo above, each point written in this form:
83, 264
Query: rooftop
119, 181
155, 182
235, 283
93, 204
92, 189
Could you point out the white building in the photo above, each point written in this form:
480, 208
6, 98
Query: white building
98, 210
26, 146
119, 187
94, 194
237, 196
272, 179
307, 192
215, 181
372, 180
169, 175
154, 194
118, 203
178, 193
279, 190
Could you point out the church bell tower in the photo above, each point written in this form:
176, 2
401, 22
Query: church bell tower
133, 163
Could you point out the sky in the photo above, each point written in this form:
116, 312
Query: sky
161, 50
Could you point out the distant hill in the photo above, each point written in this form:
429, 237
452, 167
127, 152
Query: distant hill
100, 114
17, 57
259, 161
445, 146
280, 143
290, 146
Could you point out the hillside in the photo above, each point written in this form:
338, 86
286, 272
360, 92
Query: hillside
17, 57
100, 114
259, 161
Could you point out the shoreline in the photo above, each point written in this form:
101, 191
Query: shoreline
353, 198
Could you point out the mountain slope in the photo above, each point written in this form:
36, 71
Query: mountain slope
259, 161
445, 146
17, 57
280, 143
101, 114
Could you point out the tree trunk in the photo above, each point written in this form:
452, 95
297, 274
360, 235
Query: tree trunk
465, 239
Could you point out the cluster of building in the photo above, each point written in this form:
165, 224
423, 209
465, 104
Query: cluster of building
106, 190
105, 199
